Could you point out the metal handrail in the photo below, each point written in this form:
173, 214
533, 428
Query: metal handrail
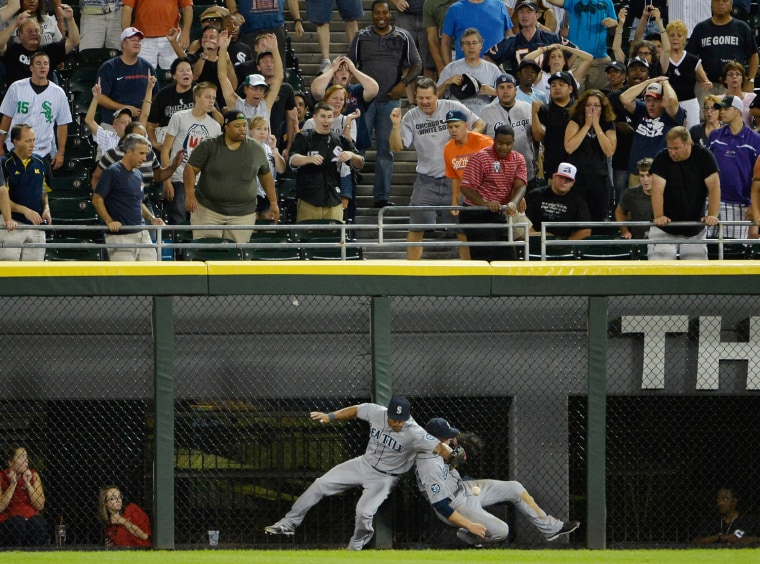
381, 227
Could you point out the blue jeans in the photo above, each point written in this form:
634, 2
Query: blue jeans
378, 117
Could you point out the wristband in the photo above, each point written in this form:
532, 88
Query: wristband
331, 416
297, 20
405, 82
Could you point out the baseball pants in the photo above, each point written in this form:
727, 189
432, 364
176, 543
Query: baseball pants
491, 493
350, 474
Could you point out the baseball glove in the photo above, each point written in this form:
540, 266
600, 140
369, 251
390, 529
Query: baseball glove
457, 458
472, 443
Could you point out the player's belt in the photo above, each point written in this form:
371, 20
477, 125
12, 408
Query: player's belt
387, 473
99, 10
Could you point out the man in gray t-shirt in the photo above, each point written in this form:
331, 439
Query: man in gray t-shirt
424, 127
395, 439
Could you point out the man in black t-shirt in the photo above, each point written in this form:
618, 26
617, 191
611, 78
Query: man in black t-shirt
683, 176
558, 202
318, 156
553, 118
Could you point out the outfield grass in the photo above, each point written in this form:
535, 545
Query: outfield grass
728, 556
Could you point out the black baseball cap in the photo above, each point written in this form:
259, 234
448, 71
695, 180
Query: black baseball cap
615, 65
469, 87
638, 61
264, 54
233, 115
563, 76
528, 63
440, 428
527, 4
399, 409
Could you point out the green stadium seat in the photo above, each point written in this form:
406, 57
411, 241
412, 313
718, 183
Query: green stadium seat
553, 252
55, 253
93, 58
208, 254
604, 252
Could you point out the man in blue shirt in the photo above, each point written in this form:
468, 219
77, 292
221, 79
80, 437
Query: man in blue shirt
589, 20
118, 199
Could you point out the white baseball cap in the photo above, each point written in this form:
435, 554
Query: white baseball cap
567, 170
131, 32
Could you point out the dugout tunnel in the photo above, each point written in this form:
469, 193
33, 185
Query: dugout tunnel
602, 388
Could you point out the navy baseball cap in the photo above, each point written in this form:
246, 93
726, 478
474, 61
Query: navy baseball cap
440, 428
456, 115
528, 63
399, 409
527, 4
505, 79
615, 65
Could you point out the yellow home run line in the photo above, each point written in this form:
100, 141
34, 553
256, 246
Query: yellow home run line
440, 268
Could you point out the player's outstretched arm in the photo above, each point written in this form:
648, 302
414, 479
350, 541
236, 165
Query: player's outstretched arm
341, 415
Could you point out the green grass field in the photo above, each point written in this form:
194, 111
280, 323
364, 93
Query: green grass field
745, 556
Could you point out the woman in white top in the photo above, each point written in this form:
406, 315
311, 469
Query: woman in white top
557, 58
49, 25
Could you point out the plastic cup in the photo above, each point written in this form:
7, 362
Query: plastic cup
213, 538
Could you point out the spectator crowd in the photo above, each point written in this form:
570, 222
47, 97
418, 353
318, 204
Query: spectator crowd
529, 111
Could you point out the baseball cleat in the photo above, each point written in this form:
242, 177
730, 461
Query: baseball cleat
465, 536
566, 529
279, 529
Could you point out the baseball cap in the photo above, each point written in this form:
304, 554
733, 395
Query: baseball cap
399, 409
654, 90
455, 115
121, 111
131, 32
567, 170
527, 4
263, 54
729, 102
528, 63
212, 13
639, 61
563, 76
467, 89
255, 80
440, 428
505, 79
615, 65
233, 115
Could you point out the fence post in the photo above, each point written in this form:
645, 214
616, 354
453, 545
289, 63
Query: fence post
382, 388
596, 536
163, 389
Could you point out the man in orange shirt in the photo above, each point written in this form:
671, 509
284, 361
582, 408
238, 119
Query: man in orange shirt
155, 19
462, 144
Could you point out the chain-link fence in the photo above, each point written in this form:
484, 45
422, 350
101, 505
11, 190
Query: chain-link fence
77, 381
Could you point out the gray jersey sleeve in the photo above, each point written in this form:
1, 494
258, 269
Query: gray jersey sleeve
433, 478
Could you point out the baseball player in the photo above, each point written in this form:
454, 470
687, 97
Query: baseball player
460, 503
394, 441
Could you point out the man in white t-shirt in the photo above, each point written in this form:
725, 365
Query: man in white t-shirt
186, 129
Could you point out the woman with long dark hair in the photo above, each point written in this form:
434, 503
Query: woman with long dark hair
590, 139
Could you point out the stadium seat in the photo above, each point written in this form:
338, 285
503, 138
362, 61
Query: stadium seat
201, 254
332, 250
93, 58
70, 212
57, 254
731, 251
79, 148
553, 252
82, 80
605, 252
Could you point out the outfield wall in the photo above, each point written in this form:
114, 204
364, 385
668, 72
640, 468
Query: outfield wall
199, 376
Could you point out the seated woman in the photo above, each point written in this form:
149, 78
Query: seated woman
127, 527
21, 500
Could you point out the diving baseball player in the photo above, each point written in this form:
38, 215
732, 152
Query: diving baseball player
394, 441
460, 503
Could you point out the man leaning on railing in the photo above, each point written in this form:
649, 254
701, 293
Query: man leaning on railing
118, 199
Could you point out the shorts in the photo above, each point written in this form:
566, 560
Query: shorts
307, 212
431, 191
320, 11
262, 204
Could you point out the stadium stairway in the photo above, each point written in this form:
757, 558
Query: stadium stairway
309, 59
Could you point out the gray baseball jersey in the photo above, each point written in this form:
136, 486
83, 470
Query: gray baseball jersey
437, 483
42, 111
429, 135
377, 471
519, 117
484, 73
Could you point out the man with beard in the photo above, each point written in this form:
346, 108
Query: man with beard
425, 128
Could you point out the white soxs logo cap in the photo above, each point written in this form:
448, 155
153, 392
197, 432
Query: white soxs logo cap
567, 170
